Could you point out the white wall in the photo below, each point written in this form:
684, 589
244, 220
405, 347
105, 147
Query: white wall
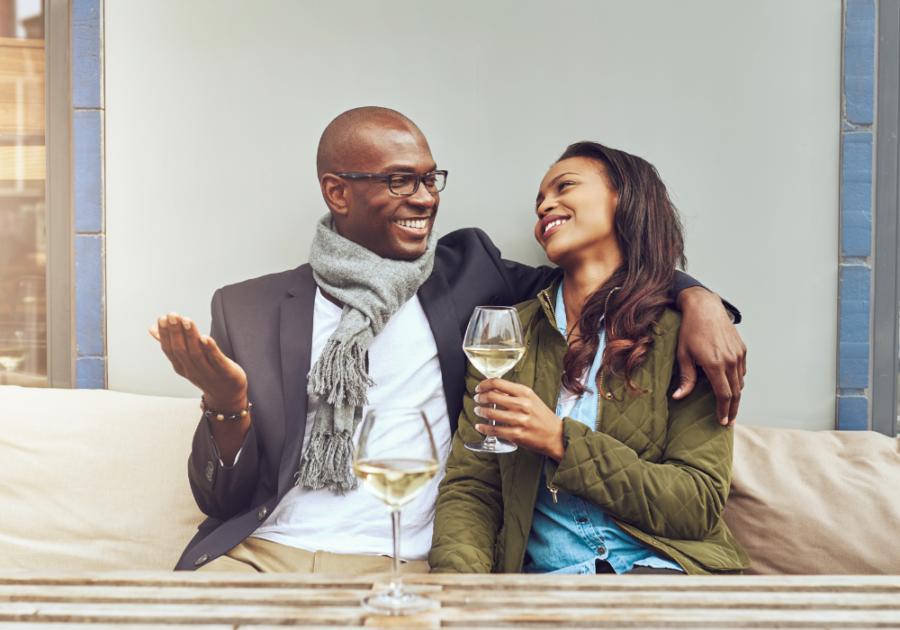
214, 109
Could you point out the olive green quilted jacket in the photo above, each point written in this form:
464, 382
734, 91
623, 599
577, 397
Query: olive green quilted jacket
660, 468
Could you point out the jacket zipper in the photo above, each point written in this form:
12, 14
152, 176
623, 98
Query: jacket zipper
545, 294
552, 490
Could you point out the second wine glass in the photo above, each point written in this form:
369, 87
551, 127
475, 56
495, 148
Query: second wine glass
494, 344
396, 458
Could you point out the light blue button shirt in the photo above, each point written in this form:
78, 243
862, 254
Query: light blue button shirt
571, 535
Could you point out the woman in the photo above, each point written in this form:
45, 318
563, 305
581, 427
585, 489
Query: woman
611, 474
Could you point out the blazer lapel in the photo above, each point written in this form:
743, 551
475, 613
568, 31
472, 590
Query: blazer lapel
296, 346
436, 301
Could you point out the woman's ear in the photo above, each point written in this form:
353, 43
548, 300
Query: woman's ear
337, 194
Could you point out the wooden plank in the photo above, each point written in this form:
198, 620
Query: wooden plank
392, 622
183, 578
448, 597
430, 619
631, 625
530, 583
22, 162
667, 618
669, 599
721, 585
142, 626
488, 616
182, 595
320, 597
25, 625
174, 613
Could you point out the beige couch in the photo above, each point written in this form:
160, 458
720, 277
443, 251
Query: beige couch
97, 481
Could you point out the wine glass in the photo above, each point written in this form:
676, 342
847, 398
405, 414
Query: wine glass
494, 344
395, 458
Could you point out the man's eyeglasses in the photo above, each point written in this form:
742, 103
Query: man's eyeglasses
406, 184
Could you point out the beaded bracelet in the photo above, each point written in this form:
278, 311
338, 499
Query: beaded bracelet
211, 413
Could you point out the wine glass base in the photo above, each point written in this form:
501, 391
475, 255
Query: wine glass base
386, 603
498, 446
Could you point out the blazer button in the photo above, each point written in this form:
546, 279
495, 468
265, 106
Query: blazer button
262, 512
210, 470
201, 560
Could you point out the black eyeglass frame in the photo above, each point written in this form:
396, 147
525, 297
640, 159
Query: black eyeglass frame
388, 177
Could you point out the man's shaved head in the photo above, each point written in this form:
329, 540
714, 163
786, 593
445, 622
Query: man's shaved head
341, 139
377, 140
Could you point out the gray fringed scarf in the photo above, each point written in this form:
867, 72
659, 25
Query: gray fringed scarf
372, 289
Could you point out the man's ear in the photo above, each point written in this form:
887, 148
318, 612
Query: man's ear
337, 194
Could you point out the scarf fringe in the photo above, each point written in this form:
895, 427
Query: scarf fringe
341, 373
326, 463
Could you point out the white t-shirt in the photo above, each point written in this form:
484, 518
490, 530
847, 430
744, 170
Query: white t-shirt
403, 362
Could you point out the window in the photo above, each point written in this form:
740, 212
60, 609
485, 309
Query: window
23, 213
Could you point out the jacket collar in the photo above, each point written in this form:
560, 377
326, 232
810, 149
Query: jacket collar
296, 330
436, 300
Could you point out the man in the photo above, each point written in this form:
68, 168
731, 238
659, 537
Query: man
375, 318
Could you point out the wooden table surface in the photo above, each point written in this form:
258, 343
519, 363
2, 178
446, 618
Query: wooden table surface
229, 601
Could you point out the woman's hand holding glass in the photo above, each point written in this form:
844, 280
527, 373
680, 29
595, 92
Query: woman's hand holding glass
529, 422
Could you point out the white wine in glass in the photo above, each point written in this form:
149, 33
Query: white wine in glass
494, 344
396, 458
396, 481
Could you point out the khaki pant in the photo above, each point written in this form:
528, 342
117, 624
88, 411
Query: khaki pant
256, 555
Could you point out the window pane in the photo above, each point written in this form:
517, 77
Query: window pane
23, 214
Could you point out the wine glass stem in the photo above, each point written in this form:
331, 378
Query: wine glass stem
396, 586
490, 439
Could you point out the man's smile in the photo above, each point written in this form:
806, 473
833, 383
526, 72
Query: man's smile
414, 227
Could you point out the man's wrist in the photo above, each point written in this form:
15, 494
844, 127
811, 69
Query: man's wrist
692, 297
692, 294
228, 405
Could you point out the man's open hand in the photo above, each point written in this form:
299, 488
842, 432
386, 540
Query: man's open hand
710, 340
197, 358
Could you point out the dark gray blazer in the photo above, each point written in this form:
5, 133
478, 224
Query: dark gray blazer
266, 324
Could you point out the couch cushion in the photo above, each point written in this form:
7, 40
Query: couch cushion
94, 480
806, 502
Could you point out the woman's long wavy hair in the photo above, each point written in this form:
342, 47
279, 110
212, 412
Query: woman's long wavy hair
649, 232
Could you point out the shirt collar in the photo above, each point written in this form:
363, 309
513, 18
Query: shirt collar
560, 308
